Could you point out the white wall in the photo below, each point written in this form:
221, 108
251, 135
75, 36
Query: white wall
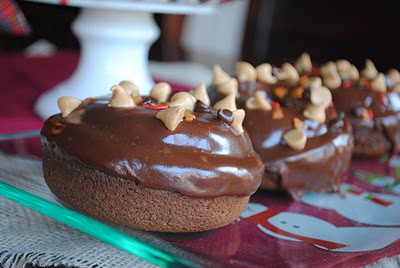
216, 38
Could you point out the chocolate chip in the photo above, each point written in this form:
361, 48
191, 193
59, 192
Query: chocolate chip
225, 116
148, 101
199, 106
306, 94
290, 102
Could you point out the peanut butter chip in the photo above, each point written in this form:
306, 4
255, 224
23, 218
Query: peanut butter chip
171, 117
245, 71
258, 102
379, 83
120, 98
237, 122
229, 102
137, 99
130, 88
394, 75
328, 69
200, 93
316, 113
230, 86
353, 73
277, 114
315, 82
296, 139
219, 76
321, 96
332, 81
297, 123
264, 74
288, 72
303, 64
67, 105
343, 66
160, 92
369, 72
183, 99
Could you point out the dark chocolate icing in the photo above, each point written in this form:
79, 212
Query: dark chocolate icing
383, 113
320, 166
200, 158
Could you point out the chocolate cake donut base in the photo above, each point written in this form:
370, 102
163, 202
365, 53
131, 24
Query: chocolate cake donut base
128, 203
375, 144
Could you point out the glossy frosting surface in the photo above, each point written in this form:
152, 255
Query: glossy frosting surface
318, 167
200, 158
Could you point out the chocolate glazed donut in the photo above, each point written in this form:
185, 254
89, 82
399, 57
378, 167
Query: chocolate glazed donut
304, 143
155, 163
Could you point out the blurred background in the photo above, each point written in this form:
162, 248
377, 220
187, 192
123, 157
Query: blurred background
253, 30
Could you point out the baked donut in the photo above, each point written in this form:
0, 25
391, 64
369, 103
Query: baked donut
159, 163
304, 143
371, 103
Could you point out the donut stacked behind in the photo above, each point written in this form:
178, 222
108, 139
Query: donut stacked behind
304, 143
371, 103
159, 164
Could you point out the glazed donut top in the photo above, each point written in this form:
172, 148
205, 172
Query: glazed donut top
282, 103
193, 149
368, 98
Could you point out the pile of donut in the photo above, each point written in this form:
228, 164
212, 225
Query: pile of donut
307, 122
189, 161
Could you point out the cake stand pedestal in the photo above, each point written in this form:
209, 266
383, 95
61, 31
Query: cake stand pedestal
115, 38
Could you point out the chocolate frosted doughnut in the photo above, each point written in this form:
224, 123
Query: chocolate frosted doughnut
304, 143
158, 163
371, 103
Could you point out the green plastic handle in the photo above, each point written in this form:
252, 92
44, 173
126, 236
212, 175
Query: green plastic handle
94, 228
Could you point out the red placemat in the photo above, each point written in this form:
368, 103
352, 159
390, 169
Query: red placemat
261, 241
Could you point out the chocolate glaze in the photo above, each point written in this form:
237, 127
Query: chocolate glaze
200, 158
384, 116
320, 166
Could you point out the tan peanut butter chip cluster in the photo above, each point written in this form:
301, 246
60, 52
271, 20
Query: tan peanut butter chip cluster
334, 72
341, 72
224, 83
172, 110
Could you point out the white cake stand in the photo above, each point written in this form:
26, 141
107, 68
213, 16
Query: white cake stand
115, 38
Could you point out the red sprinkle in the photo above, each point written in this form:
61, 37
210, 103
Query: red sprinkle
155, 107
346, 83
382, 96
367, 85
370, 114
314, 71
275, 104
